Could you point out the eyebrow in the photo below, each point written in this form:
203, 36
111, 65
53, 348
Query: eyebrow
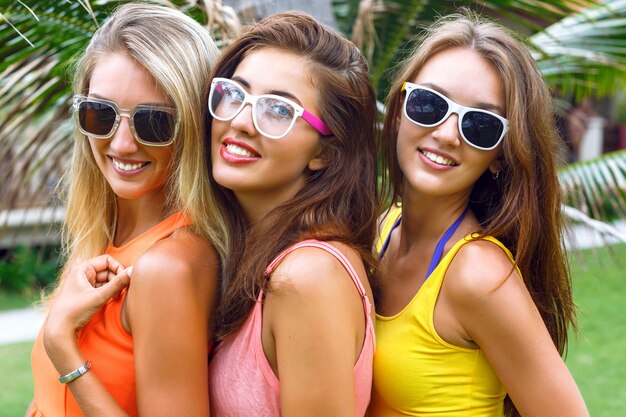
480, 105
281, 93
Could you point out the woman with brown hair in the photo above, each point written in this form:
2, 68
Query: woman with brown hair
293, 162
475, 295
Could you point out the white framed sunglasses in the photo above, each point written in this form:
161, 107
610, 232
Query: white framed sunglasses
479, 128
273, 116
149, 124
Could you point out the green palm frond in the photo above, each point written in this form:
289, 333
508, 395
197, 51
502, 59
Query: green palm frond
37, 45
397, 22
39, 40
585, 54
597, 187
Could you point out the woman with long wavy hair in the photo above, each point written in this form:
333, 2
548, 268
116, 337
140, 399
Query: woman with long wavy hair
294, 167
136, 196
475, 295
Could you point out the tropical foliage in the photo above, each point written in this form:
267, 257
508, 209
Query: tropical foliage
579, 45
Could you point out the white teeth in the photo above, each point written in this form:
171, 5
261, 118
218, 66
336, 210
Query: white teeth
438, 158
126, 167
238, 150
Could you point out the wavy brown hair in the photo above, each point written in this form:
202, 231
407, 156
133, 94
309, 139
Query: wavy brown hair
522, 208
338, 202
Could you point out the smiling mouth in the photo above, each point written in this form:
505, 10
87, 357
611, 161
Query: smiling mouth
127, 167
239, 151
438, 159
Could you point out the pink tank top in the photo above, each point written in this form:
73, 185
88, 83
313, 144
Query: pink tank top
241, 380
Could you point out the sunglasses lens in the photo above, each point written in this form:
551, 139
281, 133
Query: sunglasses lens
479, 128
154, 126
425, 107
96, 118
482, 130
274, 116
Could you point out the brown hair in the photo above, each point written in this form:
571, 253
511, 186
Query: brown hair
522, 207
339, 201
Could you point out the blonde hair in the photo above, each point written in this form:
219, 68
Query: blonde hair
179, 54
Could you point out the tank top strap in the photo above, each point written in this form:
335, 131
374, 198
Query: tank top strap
442, 243
312, 243
128, 252
388, 238
390, 222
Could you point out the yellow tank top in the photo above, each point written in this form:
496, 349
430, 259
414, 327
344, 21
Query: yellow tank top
416, 372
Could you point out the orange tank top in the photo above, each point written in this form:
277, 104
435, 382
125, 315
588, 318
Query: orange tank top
103, 341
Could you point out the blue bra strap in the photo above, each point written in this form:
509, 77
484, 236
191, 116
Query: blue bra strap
442, 242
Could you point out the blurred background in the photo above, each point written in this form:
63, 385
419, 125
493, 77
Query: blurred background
579, 45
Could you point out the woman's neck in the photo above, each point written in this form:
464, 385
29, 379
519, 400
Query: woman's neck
134, 217
428, 217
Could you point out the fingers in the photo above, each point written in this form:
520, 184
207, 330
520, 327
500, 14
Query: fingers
106, 262
97, 271
103, 277
80, 296
115, 284
113, 264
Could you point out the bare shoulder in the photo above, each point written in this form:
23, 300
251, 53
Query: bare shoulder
479, 269
175, 281
311, 270
183, 256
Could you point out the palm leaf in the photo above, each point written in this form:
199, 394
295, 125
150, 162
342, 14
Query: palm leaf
38, 43
585, 54
597, 187
34, 92
396, 23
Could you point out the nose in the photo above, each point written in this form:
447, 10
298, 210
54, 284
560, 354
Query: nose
447, 133
243, 122
123, 141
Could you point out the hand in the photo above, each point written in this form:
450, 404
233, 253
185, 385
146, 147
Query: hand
84, 288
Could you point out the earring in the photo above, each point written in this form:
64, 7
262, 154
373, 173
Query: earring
495, 175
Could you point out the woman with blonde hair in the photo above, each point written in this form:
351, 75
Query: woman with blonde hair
475, 294
136, 196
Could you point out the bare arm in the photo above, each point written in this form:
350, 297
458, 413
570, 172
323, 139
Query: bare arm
498, 314
314, 322
169, 307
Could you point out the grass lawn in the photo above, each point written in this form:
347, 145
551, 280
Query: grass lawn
16, 383
596, 356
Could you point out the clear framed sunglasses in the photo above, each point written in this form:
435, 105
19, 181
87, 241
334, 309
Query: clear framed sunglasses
273, 116
479, 128
150, 125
